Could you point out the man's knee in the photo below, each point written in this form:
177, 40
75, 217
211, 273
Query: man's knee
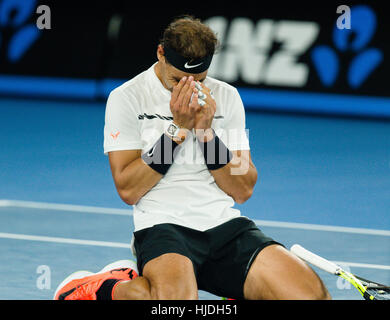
171, 277
314, 288
171, 291
318, 290
277, 274
137, 289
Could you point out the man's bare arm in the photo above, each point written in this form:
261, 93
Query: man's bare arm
133, 178
238, 177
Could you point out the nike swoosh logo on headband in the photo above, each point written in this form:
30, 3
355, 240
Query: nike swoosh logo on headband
187, 66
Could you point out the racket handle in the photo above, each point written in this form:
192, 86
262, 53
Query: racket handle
314, 259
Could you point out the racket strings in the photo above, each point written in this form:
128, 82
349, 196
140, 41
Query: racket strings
373, 285
379, 294
369, 289
376, 290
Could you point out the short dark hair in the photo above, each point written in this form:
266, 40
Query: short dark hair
190, 38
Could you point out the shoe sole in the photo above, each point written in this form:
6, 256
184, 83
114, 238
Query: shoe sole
83, 273
120, 264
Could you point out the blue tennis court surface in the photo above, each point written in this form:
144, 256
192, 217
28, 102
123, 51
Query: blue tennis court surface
323, 183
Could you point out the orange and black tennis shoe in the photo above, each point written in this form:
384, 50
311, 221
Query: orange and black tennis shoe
85, 285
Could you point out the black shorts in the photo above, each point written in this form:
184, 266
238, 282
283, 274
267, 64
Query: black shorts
221, 256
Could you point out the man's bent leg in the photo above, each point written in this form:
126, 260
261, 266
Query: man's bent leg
170, 276
278, 274
137, 289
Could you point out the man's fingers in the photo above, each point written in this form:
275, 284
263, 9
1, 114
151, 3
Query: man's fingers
188, 94
204, 93
177, 88
194, 104
198, 85
202, 87
183, 95
184, 90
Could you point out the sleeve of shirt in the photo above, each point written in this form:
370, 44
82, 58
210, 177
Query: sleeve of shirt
121, 128
234, 134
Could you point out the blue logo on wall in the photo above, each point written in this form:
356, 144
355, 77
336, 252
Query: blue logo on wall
14, 14
326, 60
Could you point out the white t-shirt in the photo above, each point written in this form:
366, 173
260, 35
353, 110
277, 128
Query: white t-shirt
137, 114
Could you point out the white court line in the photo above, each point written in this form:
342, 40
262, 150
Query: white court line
263, 223
27, 237
63, 207
100, 210
320, 227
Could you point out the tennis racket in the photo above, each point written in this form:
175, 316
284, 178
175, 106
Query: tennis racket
370, 290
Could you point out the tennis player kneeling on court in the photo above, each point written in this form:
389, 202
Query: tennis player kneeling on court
179, 153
